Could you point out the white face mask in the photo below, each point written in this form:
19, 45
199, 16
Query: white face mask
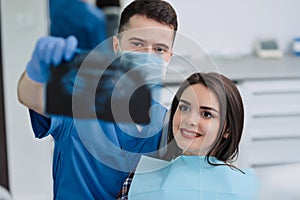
164, 70
151, 65
136, 57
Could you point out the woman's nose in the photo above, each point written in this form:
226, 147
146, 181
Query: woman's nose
193, 119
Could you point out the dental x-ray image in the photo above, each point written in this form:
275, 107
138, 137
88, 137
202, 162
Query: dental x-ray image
106, 86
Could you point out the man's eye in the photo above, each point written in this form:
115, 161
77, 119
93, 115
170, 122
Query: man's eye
137, 44
184, 108
160, 50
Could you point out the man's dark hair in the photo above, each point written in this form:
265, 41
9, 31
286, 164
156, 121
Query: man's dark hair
158, 10
107, 3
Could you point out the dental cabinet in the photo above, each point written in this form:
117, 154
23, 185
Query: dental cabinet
271, 93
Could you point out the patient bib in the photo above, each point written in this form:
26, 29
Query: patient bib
191, 177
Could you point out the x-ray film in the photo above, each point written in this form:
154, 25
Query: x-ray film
99, 85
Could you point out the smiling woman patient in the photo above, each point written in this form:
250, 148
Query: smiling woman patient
205, 128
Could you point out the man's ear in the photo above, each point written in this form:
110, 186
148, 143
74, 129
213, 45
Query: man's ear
116, 44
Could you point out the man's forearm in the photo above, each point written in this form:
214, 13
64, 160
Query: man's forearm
31, 94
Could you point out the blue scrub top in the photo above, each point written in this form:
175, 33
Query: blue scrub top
75, 17
91, 164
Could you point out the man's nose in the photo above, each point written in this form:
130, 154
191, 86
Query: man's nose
148, 49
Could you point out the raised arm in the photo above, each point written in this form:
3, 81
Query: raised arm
48, 51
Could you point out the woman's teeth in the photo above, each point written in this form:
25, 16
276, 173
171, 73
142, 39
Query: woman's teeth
190, 134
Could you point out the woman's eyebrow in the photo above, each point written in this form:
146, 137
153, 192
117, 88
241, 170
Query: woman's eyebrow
209, 108
201, 107
185, 101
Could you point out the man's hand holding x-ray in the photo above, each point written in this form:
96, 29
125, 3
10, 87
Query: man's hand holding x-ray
97, 84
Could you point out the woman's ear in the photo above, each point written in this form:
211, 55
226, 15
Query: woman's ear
226, 134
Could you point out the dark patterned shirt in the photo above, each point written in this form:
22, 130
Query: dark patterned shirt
123, 193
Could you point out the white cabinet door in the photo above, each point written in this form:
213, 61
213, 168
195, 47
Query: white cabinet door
272, 125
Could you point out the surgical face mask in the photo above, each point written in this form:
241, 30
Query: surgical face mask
152, 66
164, 69
135, 57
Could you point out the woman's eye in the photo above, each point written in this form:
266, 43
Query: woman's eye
184, 108
207, 114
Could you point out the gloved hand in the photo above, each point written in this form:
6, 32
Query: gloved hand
49, 51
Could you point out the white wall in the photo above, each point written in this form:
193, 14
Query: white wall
29, 160
233, 25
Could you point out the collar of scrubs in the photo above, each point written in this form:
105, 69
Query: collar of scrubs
191, 177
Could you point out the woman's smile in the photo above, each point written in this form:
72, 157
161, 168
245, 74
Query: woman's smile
189, 134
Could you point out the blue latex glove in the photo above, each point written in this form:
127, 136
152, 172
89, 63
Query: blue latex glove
49, 51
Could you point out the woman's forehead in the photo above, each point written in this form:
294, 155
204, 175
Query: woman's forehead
200, 94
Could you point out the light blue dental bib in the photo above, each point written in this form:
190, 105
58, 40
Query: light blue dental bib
191, 177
